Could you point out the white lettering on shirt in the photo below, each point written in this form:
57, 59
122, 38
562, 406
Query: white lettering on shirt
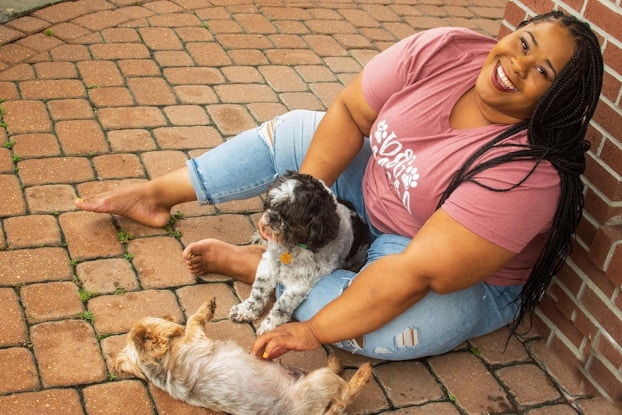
396, 161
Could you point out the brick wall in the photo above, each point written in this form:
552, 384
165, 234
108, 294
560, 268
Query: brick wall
581, 316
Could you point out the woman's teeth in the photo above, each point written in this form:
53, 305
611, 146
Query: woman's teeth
504, 79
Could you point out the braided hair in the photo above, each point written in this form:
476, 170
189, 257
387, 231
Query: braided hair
556, 133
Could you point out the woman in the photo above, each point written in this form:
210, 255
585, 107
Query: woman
469, 181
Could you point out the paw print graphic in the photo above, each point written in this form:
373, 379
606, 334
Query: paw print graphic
381, 131
409, 177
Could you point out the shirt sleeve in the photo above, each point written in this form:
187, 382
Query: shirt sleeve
512, 218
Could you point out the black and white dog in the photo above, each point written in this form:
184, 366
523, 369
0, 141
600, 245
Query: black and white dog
309, 234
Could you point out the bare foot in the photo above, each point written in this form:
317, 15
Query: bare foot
213, 255
133, 202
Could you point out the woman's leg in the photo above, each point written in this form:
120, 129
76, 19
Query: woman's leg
435, 325
148, 203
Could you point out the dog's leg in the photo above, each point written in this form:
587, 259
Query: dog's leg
354, 386
283, 309
195, 327
251, 309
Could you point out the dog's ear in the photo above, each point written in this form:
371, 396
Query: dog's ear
154, 339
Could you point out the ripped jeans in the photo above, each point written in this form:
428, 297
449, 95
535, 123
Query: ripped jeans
245, 165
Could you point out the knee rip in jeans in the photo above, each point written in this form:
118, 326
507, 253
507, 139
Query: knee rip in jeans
407, 338
266, 131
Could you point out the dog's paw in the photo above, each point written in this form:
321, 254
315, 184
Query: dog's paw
243, 313
206, 311
265, 326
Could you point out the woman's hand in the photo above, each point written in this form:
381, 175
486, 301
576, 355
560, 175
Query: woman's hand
285, 338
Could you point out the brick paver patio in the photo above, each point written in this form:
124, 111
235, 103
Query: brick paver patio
98, 94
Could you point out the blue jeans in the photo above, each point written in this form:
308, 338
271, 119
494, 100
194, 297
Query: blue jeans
245, 165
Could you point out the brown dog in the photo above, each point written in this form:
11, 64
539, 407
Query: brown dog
221, 375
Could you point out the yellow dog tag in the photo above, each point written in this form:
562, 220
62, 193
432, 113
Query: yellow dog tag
286, 258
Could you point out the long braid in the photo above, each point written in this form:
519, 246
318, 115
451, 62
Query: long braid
556, 133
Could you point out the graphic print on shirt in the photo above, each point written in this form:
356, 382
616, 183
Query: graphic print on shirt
397, 162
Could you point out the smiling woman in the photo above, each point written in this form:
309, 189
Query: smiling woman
463, 155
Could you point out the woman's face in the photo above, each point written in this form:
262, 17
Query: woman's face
519, 70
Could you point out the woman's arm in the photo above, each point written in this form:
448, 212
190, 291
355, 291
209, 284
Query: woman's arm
339, 136
443, 257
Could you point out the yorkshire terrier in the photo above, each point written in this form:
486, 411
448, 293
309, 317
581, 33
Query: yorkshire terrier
308, 234
222, 376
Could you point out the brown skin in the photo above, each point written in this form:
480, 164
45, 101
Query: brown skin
529, 58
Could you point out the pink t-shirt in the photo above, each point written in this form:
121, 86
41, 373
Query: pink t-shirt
413, 86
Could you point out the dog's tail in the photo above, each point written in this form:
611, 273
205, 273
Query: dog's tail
354, 386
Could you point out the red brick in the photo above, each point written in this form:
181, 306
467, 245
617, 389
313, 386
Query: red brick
100, 74
597, 406
160, 38
173, 20
52, 89
151, 91
27, 24
614, 271
237, 93
106, 276
24, 266
54, 170
12, 324
159, 163
114, 51
51, 301
283, 78
100, 20
39, 42
607, 377
17, 370
50, 199
186, 115
195, 94
138, 67
90, 235
231, 119
611, 89
6, 160
130, 395
604, 312
561, 364
19, 72
528, 384
116, 313
187, 137
166, 58
606, 20
131, 117
11, 199
194, 34
13, 53
120, 35
68, 31
81, 137
67, 353
111, 97
118, 166
70, 53
55, 70
235, 229
62, 109
192, 76
500, 348
398, 379
481, 394
159, 270
32, 231
130, 141
208, 54
26, 117
46, 402
8, 91
60, 12
601, 247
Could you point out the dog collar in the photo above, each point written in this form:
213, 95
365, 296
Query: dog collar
286, 257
